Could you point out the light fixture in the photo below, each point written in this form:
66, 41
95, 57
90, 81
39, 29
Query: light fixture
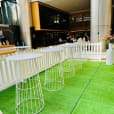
40, 0
44, 0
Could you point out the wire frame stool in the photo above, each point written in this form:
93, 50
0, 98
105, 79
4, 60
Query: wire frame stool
81, 54
29, 97
69, 69
68, 65
77, 55
54, 79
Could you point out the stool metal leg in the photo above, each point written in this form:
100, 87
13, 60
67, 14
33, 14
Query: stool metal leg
29, 96
54, 78
69, 69
69, 65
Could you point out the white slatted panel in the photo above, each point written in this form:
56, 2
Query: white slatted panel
81, 50
1, 80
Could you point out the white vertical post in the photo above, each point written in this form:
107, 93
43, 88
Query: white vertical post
9, 70
4, 72
1, 81
100, 19
24, 14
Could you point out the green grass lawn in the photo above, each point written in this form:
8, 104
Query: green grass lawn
91, 91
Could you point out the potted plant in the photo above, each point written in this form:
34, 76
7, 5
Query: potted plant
108, 41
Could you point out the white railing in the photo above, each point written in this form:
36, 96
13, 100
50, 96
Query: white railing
91, 51
78, 51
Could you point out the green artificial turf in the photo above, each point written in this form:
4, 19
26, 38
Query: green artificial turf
90, 91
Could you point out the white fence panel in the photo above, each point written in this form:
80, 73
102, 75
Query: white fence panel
91, 50
79, 51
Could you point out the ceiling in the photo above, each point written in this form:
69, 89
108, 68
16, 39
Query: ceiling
68, 5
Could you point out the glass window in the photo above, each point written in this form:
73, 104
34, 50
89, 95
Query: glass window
12, 13
8, 13
4, 13
1, 18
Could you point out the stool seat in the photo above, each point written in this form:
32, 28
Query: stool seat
25, 56
52, 49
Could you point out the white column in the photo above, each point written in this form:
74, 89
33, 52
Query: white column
24, 15
100, 19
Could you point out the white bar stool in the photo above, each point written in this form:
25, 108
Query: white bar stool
29, 97
54, 79
68, 65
